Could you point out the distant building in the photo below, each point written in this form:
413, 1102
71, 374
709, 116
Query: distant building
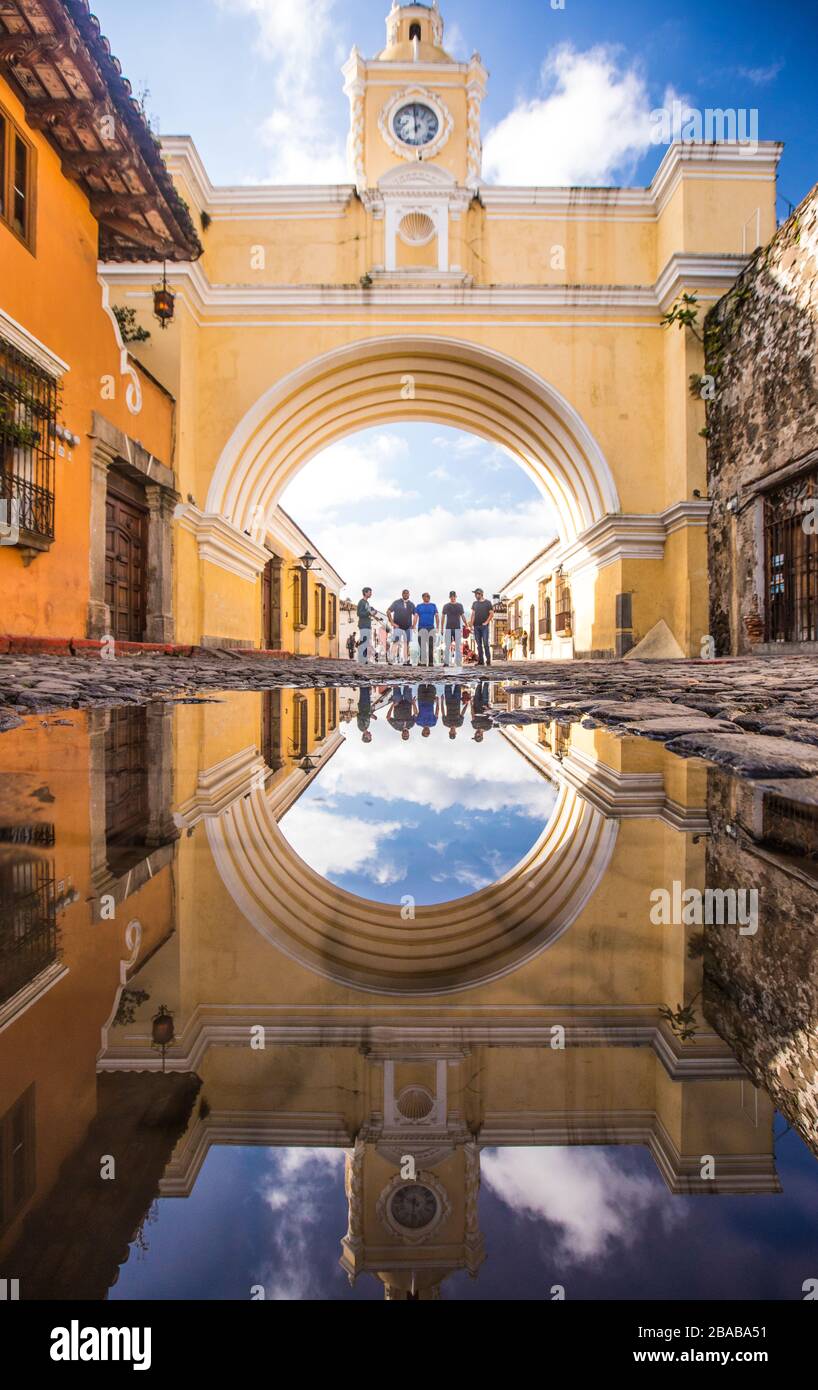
537, 613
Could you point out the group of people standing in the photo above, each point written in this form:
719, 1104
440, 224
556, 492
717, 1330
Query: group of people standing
424, 706
421, 632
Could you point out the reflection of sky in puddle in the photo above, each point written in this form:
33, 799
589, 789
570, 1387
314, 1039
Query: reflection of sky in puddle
425, 815
597, 1220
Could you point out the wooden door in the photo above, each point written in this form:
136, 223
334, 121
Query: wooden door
125, 565
126, 787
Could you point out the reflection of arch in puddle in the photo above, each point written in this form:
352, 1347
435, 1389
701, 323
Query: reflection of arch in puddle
448, 946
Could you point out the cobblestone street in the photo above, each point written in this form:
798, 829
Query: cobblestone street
757, 716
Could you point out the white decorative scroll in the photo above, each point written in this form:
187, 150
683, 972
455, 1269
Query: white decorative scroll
133, 391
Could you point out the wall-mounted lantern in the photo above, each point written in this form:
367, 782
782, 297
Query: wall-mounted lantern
164, 300
163, 1032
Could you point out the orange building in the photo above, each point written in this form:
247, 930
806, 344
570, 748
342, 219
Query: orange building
87, 484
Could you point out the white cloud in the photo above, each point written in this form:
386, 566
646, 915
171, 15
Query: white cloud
454, 42
297, 1178
582, 1191
345, 475
333, 843
591, 123
762, 76
298, 40
439, 549
496, 778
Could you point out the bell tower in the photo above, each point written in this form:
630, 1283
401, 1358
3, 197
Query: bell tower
414, 145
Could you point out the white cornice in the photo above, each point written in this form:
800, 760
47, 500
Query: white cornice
247, 202
25, 342
221, 543
714, 161
722, 161
626, 536
710, 275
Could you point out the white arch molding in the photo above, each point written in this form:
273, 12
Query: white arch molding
456, 383
448, 947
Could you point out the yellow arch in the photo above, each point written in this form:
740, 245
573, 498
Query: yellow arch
430, 379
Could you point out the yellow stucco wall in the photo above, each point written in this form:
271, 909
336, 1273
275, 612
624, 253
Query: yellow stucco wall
53, 292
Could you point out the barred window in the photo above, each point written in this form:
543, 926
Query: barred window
28, 420
791, 561
28, 922
300, 738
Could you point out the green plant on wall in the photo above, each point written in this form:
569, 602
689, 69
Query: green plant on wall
131, 331
14, 431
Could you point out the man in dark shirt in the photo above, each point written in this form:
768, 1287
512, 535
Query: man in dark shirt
364, 611
480, 718
481, 615
453, 630
453, 709
402, 616
365, 714
403, 710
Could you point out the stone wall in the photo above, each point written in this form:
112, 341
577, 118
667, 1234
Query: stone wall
761, 989
761, 346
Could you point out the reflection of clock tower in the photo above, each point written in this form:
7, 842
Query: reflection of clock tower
414, 144
413, 1228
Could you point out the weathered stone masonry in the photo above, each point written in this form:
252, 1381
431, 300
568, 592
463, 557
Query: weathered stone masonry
761, 346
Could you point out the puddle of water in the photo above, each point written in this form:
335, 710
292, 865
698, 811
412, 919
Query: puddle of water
336, 993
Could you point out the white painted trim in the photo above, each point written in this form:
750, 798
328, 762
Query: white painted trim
31, 993
711, 276
628, 536
221, 543
133, 391
723, 161
219, 786
24, 341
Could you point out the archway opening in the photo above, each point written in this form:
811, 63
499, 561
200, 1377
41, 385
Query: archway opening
422, 507
424, 805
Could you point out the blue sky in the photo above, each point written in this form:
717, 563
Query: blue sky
256, 82
599, 1221
433, 817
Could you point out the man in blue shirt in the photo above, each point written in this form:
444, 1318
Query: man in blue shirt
428, 624
428, 708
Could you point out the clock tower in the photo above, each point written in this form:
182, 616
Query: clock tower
414, 144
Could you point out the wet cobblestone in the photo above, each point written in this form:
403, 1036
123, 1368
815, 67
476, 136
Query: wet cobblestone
757, 715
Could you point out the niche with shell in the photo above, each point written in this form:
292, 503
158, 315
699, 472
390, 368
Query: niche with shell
416, 242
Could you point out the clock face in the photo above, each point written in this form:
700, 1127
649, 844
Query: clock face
413, 1206
415, 124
